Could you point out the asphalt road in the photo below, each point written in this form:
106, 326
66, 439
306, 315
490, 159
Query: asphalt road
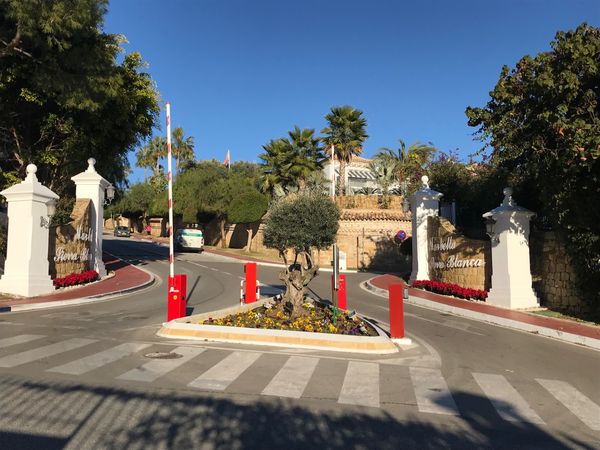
81, 377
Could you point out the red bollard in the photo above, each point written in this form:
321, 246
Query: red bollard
250, 270
176, 300
396, 311
342, 293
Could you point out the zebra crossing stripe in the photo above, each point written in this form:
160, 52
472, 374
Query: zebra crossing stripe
580, 405
361, 385
100, 359
431, 391
44, 352
155, 369
293, 377
21, 339
221, 375
506, 400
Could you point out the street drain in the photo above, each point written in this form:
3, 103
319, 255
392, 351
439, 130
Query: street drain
163, 355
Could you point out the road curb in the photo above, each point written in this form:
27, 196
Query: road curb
489, 318
81, 300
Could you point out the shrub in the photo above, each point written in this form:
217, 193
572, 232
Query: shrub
450, 289
73, 279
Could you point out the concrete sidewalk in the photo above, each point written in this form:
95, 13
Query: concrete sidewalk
125, 278
564, 330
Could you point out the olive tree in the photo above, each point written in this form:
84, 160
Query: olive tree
299, 224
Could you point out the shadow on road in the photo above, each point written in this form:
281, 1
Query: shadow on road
54, 415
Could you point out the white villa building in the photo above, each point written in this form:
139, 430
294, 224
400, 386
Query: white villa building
358, 174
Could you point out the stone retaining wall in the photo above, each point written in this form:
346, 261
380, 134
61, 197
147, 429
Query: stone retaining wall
553, 273
366, 236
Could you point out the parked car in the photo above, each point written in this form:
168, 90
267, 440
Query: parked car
189, 239
122, 232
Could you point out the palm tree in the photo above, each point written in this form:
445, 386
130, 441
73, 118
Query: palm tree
183, 148
273, 162
409, 163
305, 155
384, 171
346, 131
144, 160
157, 149
287, 163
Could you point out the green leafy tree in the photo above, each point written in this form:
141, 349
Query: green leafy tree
300, 223
137, 201
347, 132
542, 124
206, 191
65, 97
247, 208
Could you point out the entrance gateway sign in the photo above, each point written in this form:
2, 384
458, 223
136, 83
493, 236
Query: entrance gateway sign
454, 258
70, 244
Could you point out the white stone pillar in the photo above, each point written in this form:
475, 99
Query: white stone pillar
423, 203
90, 184
511, 272
26, 267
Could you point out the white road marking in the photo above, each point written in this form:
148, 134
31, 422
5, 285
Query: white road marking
293, 377
361, 384
431, 391
89, 363
21, 339
44, 352
509, 404
464, 328
580, 405
155, 369
218, 377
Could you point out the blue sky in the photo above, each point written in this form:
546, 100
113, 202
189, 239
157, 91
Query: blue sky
241, 72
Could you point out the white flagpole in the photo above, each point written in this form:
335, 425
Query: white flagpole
171, 259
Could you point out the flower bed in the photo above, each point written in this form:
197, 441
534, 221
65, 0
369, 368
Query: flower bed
450, 289
73, 279
319, 318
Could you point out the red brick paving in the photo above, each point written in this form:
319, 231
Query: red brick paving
126, 276
384, 281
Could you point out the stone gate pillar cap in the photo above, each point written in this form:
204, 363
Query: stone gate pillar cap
508, 206
91, 162
426, 193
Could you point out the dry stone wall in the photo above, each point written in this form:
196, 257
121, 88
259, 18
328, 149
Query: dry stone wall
553, 273
69, 246
454, 258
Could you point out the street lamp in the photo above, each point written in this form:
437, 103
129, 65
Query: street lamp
110, 194
490, 225
50, 209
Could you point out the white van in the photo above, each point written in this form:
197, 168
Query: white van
189, 239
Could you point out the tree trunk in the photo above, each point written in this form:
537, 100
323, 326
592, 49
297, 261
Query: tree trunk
223, 234
249, 231
342, 178
296, 279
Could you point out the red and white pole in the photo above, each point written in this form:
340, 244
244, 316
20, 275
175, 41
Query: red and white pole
171, 258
